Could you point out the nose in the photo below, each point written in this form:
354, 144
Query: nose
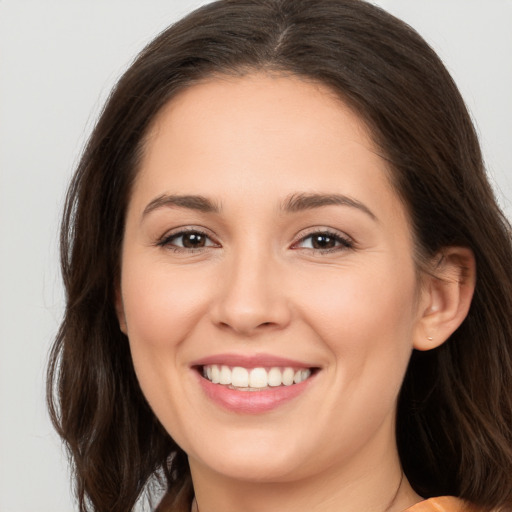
251, 296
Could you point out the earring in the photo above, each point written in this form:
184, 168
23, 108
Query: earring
429, 338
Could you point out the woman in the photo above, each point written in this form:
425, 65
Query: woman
270, 250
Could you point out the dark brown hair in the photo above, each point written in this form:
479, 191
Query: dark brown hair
455, 409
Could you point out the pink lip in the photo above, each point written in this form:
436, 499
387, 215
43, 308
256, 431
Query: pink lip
251, 402
253, 361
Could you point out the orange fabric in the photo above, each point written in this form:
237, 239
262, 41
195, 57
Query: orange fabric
441, 504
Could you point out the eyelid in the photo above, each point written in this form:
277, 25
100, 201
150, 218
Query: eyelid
165, 239
345, 241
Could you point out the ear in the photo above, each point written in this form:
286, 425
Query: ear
445, 297
121, 318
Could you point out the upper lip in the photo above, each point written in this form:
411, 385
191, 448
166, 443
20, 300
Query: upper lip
251, 361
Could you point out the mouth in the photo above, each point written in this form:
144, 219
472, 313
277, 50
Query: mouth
240, 378
253, 384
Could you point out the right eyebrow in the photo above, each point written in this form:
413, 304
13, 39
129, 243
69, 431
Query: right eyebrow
305, 201
192, 202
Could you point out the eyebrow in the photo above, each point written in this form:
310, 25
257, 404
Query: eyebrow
192, 202
294, 203
300, 202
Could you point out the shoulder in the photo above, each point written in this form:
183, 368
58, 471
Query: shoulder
447, 504
440, 504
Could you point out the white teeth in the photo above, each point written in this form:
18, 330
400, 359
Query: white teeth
258, 378
255, 378
301, 375
239, 377
288, 375
275, 377
225, 375
215, 374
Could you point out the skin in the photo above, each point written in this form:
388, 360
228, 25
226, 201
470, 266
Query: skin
248, 144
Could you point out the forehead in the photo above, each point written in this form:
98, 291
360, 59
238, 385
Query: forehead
269, 102
263, 135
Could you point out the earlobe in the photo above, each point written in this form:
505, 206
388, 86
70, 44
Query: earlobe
446, 297
121, 318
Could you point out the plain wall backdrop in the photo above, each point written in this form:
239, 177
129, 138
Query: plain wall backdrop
58, 61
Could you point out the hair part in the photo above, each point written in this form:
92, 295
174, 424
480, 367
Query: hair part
454, 419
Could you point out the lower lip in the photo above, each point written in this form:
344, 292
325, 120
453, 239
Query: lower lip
252, 402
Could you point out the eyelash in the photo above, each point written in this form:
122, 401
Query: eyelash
343, 243
167, 240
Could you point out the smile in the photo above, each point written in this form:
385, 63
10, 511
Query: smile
253, 384
254, 379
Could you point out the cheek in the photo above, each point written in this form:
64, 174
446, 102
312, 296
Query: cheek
366, 319
161, 305
352, 302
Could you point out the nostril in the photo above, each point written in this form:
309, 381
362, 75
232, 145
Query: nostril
242, 328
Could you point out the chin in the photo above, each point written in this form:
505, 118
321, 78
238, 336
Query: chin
260, 471
253, 461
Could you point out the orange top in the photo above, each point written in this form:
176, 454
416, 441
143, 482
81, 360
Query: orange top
441, 504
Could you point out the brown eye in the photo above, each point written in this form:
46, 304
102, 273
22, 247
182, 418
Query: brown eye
189, 240
193, 240
323, 241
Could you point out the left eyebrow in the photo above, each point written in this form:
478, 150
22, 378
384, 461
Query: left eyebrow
191, 202
300, 202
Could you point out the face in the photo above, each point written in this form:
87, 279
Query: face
268, 288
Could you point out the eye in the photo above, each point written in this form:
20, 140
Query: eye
187, 240
323, 241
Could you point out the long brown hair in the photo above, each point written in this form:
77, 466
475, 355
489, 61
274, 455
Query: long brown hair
454, 420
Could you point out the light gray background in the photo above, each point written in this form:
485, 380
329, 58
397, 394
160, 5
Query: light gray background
58, 61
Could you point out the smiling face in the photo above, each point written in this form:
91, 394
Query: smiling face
268, 287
